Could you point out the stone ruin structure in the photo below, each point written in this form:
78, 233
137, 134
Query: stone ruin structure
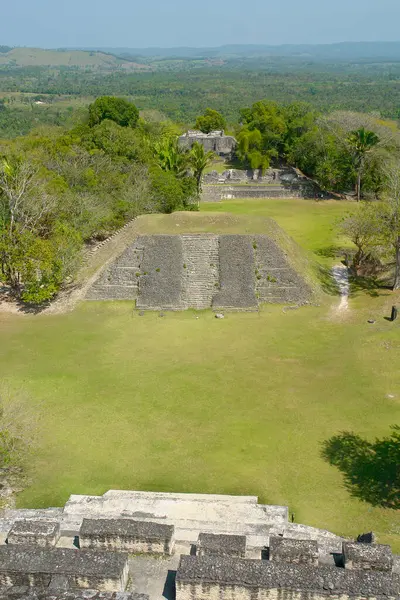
283, 182
176, 272
216, 141
148, 546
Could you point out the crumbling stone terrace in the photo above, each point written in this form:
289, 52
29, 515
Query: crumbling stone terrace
25, 565
293, 551
374, 557
127, 535
201, 578
210, 544
29, 531
28, 593
244, 551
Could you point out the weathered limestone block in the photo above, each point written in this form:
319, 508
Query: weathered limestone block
25, 593
209, 544
374, 557
34, 532
213, 578
36, 567
297, 552
128, 535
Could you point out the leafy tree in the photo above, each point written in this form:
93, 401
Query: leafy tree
119, 110
212, 120
35, 255
171, 157
268, 118
362, 227
170, 193
28, 265
389, 216
199, 160
250, 149
375, 227
300, 118
116, 140
361, 143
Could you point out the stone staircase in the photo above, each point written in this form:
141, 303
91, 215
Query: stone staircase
201, 270
191, 514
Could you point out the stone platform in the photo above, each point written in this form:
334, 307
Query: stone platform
177, 272
225, 547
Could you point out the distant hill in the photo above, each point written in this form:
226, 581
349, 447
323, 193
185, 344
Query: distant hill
149, 59
344, 51
28, 57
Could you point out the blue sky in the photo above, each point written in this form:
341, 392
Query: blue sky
167, 23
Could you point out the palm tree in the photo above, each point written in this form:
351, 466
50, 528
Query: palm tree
362, 142
170, 157
199, 159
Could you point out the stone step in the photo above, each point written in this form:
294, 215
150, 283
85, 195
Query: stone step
201, 259
191, 514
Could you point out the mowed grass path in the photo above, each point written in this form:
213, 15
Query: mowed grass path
180, 403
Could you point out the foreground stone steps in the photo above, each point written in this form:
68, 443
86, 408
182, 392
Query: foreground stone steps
190, 513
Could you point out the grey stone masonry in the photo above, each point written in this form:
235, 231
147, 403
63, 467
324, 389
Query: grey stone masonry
200, 270
120, 280
160, 282
300, 552
209, 544
205, 577
29, 531
374, 557
33, 566
276, 280
127, 535
216, 141
191, 514
26, 593
177, 272
236, 273
216, 193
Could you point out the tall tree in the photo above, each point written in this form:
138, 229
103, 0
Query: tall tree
390, 219
199, 160
119, 110
361, 142
212, 120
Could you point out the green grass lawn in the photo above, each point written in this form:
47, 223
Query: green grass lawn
312, 224
239, 405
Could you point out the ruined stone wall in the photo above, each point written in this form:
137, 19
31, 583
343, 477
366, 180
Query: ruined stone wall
216, 193
206, 591
227, 547
212, 578
216, 141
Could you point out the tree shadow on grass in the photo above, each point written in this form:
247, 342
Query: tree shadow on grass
371, 470
369, 285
